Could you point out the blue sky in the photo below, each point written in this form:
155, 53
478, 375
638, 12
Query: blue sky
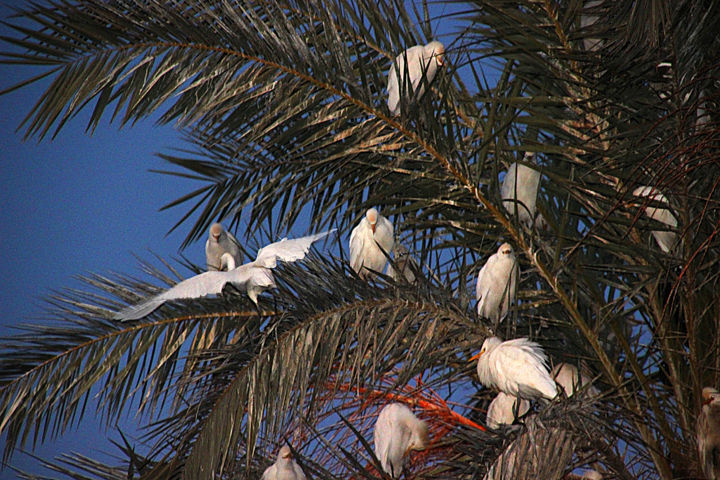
76, 205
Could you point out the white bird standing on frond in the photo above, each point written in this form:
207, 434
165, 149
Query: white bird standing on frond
517, 367
253, 277
665, 239
519, 190
708, 434
571, 380
370, 243
497, 284
219, 243
421, 60
284, 467
397, 431
505, 409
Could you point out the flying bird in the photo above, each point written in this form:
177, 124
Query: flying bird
370, 243
252, 277
421, 60
405, 264
519, 191
517, 367
284, 467
570, 379
220, 242
397, 431
708, 434
665, 239
505, 409
497, 284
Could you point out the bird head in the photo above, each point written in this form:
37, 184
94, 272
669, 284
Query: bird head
215, 231
419, 438
505, 249
709, 394
488, 344
285, 453
372, 216
437, 50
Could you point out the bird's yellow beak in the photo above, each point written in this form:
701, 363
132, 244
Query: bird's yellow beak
475, 357
440, 60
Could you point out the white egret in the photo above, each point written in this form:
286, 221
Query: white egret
421, 60
708, 434
519, 190
505, 409
370, 242
397, 431
570, 379
588, 19
665, 239
219, 242
405, 264
497, 284
252, 277
284, 467
517, 367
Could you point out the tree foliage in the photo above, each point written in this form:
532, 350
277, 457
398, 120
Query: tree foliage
283, 107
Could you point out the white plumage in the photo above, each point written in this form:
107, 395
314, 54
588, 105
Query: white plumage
497, 284
665, 239
397, 431
708, 434
517, 367
253, 277
570, 379
519, 190
421, 60
284, 467
370, 241
220, 242
501, 410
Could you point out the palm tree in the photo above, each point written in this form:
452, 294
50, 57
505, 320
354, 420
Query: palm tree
283, 106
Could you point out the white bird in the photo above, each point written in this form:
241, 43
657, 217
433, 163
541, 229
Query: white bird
519, 190
665, 239
497, 284
570, 379
397, 431
284, 467
517, 367
587, 20
708, 434
253, 277
421, 60
405, 264
505, 409
219, 242
370, 243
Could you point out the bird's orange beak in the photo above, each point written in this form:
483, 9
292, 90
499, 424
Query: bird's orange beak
440, 60
475, 357
372, 226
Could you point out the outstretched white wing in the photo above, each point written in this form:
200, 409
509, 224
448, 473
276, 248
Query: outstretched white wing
287, 250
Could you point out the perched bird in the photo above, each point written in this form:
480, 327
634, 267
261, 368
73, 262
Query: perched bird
665, 239
253, 277
708, 434
505, 409
397, 431
219, 242
517, 367
422, 61
370, 243
570, 379
519, 191
284, 467
497, 284
588, 19
405, 264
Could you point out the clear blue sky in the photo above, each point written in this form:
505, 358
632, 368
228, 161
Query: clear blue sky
76, 205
